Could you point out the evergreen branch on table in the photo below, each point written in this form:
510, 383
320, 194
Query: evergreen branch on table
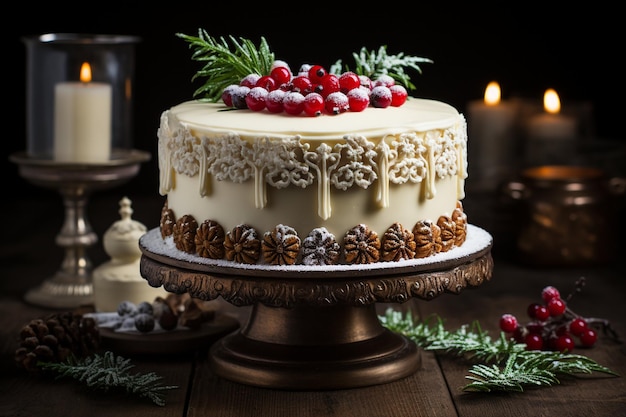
507, 366
108, 371
376, 63
224, 63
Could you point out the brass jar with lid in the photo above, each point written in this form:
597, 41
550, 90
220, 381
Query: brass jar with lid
569, 215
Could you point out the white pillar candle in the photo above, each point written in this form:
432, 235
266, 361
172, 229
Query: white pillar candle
492, 138
551, 135
82, 120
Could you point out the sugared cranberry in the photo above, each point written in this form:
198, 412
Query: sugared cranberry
249, 80
227, 95
398, 95
348, 81
302, 84
313, 104
293, 103
337, 103
238, 96
255, 99
281, 74
274, 101
358, 99
384, 80
380, 97
267, 82
316, 73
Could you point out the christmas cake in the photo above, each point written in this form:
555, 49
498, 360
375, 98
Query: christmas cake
313, 167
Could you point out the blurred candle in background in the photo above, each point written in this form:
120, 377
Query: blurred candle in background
82, 120
492, 139
552, 136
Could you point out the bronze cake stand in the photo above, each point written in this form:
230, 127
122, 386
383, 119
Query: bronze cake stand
314, 327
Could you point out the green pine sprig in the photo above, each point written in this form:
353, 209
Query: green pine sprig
108, 371
374, 63
506, 365
226, 63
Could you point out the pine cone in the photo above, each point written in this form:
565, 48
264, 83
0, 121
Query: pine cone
209, 240
398, 243
242, 245
55, 338
361, 245
320, 248
185, 233
448, 232
281, 246
460, 218
168, 220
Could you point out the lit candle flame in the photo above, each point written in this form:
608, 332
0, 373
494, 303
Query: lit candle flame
85, 72
492, 94
551, 101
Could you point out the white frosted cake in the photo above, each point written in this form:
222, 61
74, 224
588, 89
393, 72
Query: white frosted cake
263, 187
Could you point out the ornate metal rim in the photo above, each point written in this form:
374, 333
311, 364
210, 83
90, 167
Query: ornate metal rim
291, 288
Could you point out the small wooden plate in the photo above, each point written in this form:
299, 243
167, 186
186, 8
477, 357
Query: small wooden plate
169, 342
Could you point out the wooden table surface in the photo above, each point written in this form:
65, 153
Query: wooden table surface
29, 254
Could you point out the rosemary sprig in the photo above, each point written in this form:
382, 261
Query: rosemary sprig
224, 63
507, 366
109, 371
376, 63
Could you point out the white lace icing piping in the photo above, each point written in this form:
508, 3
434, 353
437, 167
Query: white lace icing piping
418, 157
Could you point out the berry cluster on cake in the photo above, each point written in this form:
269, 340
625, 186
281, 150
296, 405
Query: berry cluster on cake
315, 167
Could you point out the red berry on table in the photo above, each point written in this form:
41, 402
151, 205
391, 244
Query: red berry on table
255, 99
398, 95
358, 99
577, 326
563, 344
588, 337
556, 306
349, 81
550, 292
293, 103
380, 97
313, 104
533, 341
336, 103
508, 323
316, 73
274, 101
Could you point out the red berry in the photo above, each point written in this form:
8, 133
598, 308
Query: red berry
550, 292
329, 84
255, 99
538, 311
535, 327
533, 341
358, 99
336, 103
380, 97
302, 85
556, 306
366, 82
313, 104
577, 326
398, 95
281, 75
349, 81
274, 101
563, 343
249, 80
227, 95
238, 96
588, 337
508, 323
384, 80
293, 103
316, 73
267, 82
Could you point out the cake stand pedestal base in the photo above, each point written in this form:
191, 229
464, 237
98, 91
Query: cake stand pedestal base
315, 328
71, 286
332, 347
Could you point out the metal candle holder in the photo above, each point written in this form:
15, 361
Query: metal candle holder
71, 286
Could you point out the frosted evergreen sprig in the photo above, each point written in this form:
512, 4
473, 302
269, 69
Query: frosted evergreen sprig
226, 63
375, 63
507, 365
109, 371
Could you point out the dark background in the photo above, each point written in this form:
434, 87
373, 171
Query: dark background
527, 49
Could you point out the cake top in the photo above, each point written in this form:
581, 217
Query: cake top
244, 76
